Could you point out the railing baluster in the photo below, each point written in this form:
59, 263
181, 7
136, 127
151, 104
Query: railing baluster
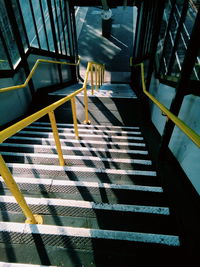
92, 79
13, 187
73, 104
56, 137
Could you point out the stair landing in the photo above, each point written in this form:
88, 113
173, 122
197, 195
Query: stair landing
106, 90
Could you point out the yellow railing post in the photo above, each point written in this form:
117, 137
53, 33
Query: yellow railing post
56, 137
96, 75
92, 79
73, 104
86, 121
13, 187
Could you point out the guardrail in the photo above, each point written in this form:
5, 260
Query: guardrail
8, 132
178, 122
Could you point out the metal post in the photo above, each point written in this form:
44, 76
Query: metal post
92, 80
16, 32
44, 24
54, 36
167, 35
34, 23
178, 34
181, 90
13, 187
73, 104
96, 83
56, 137
86, 121
155, 34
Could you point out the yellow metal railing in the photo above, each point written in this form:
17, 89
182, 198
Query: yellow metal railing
8, 132
97, 72
38, 61
178, 122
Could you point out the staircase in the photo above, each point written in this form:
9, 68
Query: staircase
106, 207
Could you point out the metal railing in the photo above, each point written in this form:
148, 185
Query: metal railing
178, 122
10, 131
38, 61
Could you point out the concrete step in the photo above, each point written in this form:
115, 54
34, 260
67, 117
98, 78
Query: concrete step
79, 143
73, 213
89, 127
91, 136
87, 161
90, 191
88, 131
79, 151
81, 173
8, 264
81, 238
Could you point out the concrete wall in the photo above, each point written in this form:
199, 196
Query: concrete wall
13, 104
47, 73
187, 153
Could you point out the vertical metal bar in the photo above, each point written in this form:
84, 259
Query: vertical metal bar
52, 26
167, 35
96, 76
56, 137
16, 32
44, 24
35, 24
54, 35
137, 33
104, 72
73, 104
92, 79
183, 84
86, 121
63, 29
178, 34
150, 30
67, 26
23, 24
147, 28
13, 187
58, 28
142, 31
6, 50
155, 35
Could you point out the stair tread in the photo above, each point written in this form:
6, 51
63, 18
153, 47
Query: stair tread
93, 131
82, 169
89, 126
8, 264
53, 230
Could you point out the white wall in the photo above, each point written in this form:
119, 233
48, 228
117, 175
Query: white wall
187, 153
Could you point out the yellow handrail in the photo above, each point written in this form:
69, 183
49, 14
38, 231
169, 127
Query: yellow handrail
8, 132
38, 61
178, 122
